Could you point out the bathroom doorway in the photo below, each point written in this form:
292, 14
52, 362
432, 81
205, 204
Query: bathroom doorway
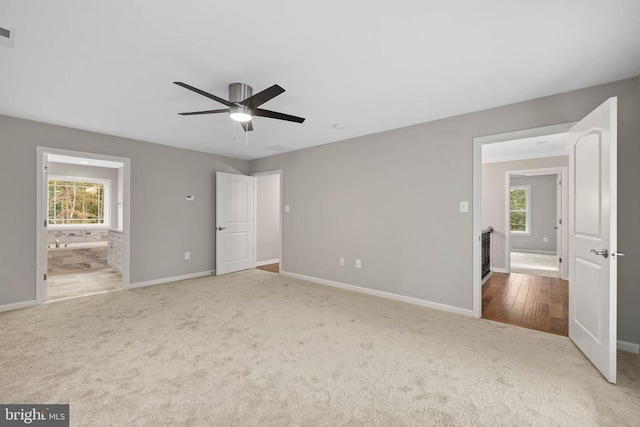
83, 212
268, 221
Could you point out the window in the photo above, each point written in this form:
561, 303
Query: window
520, 209
77, 201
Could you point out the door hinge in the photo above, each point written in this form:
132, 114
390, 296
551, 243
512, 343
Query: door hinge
560, 260
560, 221
45, 222
560, 182
46, 169
45, 277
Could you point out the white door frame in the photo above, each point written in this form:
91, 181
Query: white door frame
478, 142
41, 234
255, 204
562, 172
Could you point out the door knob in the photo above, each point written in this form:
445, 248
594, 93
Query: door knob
604, 252
222, 228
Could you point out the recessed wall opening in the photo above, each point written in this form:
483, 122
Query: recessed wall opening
81, 249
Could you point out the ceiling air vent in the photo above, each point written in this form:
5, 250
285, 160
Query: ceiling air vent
278, 148
7, 36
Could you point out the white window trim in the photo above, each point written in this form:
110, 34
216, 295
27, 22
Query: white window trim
107, 202
527, 190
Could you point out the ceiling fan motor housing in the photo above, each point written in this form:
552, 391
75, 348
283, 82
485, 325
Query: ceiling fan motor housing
238, 92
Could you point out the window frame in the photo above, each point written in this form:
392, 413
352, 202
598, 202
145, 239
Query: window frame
527, 211
106, 182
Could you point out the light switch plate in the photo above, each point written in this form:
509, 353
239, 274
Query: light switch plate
287, 209
464, 206
190, 198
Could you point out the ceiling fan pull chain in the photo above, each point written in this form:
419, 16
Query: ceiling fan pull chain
234, 130
246, 139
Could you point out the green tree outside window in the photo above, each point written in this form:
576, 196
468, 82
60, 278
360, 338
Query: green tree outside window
519, 209
75, 202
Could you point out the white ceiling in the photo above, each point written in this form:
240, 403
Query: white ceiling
526, 148
108, 66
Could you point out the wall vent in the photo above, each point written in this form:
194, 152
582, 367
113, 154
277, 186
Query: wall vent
7, 36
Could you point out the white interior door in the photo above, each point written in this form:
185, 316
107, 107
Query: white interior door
234, 222
43, 266
559, 227
593, 237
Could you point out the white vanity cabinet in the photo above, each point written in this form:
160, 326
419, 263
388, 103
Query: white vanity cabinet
114, 253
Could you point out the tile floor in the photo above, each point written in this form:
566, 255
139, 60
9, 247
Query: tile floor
82, 283
545, 265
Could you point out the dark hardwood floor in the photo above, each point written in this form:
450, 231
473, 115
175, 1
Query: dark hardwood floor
534, 302
273, 268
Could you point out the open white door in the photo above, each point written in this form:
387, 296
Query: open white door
42, 264
234, 222
593, 237
559, 227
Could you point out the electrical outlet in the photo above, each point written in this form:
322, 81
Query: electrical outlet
187, 255
341, 261
358, 263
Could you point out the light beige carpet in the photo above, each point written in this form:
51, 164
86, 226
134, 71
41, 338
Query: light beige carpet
535, 264
256, 348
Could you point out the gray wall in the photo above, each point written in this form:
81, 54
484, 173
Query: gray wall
493, 208
163, 224
392, 198
543, 215
268, 218
66, 169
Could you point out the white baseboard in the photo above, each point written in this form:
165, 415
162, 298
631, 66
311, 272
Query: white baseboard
271, 261
487, 277
498, 270
18, 305
170, 279
382, 294
534, 251
629, 347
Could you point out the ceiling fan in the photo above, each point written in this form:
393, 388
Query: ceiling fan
243, 104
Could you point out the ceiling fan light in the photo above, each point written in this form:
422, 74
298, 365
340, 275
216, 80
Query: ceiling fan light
240, 114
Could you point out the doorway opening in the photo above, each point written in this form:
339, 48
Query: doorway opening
535, 219
518, 195
82, 211
268, 242
592, 233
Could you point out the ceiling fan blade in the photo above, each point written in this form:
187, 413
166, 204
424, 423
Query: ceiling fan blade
274, 115
203, 93
261, 97
193, 113
247, 126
